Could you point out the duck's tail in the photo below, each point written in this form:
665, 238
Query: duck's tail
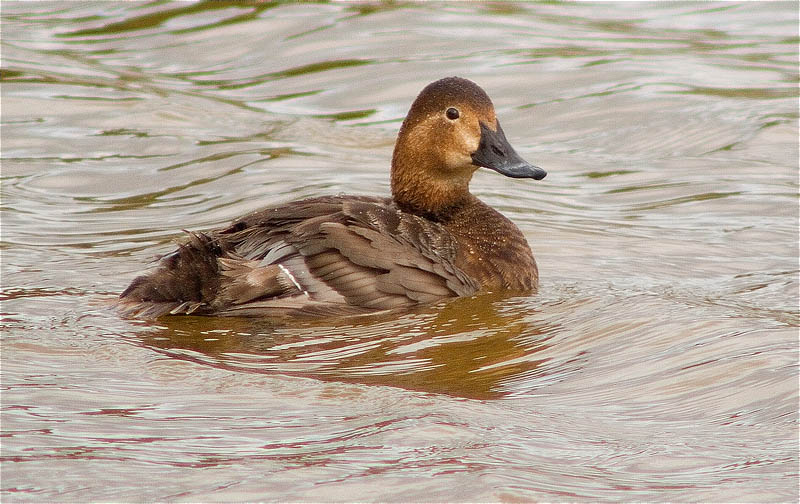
186, 281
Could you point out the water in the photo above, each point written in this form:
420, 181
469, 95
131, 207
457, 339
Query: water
657, 362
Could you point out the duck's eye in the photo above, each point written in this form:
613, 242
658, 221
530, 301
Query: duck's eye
452, 113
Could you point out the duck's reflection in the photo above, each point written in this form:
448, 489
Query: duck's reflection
467, 347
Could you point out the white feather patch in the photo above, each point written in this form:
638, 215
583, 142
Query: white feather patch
293, 279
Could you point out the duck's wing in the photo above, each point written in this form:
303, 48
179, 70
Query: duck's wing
366, 256
334, 255
207, 272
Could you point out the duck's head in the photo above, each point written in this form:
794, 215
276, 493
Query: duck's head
450, 131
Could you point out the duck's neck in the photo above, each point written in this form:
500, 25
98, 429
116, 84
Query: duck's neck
426, 190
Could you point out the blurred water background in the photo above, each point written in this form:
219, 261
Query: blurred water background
657, 362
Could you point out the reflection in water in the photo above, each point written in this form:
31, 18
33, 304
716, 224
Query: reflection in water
467, 347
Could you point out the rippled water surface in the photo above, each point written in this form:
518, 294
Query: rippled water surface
657, 362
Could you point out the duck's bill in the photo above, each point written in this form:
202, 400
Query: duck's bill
494, 152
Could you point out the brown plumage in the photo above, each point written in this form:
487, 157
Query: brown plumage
356, 254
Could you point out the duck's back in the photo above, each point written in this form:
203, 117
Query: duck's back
338, 255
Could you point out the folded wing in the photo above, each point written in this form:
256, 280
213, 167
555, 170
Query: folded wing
331, 255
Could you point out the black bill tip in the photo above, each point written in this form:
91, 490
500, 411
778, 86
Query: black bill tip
520, 170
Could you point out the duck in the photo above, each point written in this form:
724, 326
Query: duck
352, 254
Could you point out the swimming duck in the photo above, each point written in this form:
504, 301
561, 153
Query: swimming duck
340, 255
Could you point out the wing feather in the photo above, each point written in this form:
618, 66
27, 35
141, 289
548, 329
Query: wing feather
332, 255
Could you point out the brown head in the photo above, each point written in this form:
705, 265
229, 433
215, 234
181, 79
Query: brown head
450, 131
